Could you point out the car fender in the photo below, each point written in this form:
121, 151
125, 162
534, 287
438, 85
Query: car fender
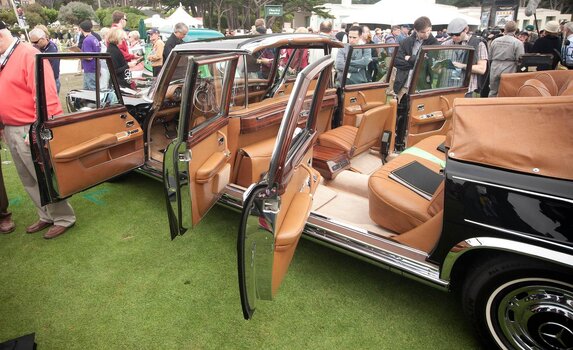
502, 245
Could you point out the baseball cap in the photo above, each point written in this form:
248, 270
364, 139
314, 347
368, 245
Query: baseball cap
3, 25
153, 31
552, 27
529, 27
457, 25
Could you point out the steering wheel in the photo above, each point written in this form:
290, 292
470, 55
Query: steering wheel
204, 96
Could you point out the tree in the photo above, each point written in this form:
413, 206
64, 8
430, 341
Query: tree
76, 12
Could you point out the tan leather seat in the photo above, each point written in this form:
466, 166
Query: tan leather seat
549, 83
533, 88
430, 145
394, 206
253, 160
355, 140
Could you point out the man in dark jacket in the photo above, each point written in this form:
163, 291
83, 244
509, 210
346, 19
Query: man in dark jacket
179, 32
404, 63
408, 51
549, 44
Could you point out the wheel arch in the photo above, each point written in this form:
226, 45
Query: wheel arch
464, 255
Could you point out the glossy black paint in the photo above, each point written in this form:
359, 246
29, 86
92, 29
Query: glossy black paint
525, 208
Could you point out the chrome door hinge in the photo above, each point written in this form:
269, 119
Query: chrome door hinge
46, 134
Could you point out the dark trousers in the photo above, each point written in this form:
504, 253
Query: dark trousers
156, 70
3, 196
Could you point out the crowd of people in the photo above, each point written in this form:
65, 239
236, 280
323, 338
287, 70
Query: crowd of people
495, 53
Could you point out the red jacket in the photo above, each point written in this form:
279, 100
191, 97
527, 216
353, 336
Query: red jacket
18, 86
123, 47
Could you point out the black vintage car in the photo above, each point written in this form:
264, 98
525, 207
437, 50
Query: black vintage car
480, 202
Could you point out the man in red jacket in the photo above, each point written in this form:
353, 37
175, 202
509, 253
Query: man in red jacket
17, 83
119, 20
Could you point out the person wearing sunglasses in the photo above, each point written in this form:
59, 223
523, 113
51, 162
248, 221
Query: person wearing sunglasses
119, 20
40, 41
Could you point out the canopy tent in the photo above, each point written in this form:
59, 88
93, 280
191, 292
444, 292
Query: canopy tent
392, 12
154, 22
181, 16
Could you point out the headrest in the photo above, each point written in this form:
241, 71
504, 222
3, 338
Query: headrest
549, 83
533, 88
567, 89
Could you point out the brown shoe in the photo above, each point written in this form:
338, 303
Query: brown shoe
38, 226
55, 231
7, 225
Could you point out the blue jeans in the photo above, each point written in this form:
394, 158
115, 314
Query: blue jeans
89, 81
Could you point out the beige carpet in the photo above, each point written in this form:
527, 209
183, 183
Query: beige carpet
350, 181
366, 163
322, 196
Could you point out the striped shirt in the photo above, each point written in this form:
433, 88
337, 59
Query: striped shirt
481, 55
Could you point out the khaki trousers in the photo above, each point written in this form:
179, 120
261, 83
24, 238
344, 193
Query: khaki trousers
3, 195
60, 213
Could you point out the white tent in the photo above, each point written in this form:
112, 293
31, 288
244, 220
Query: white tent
391, 12
154, 22
181, 16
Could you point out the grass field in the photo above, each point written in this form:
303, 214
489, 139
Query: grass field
117, 281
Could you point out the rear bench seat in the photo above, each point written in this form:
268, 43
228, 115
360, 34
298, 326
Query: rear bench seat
394, 206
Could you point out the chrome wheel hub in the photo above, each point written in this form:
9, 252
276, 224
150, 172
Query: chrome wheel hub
534, 313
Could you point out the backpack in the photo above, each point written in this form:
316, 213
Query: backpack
483, 80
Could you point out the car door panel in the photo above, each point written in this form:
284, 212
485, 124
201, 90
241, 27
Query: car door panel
209, 172
87, 145
98, 149
428, 114
276, 208
436, 82
197, 164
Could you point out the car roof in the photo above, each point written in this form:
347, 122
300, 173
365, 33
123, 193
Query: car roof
254, 43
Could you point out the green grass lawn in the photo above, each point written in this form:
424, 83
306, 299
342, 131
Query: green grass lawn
116, 280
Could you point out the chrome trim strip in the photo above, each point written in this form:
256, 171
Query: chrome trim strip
517, 233
393, 256
390, 255
514, 189
505, 245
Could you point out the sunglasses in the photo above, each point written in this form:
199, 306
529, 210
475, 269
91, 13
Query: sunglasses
454, 34
35, 42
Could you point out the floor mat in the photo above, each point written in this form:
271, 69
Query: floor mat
322, 196
365, 163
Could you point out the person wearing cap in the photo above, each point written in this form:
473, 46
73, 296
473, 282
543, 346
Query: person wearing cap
156, 55
176, 38
567, 50
549, 44
90, 44
458, 33
504, 55
18, 83
524, 38
533, 36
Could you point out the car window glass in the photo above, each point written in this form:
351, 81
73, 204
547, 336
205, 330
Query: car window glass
207, 95
441, 69
258, 69
78, 86
368, 64
238, 90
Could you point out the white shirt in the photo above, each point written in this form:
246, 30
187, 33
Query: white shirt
4, 56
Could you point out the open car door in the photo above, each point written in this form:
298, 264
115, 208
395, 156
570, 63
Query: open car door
438, 79
85, 135
196, 165
275, 209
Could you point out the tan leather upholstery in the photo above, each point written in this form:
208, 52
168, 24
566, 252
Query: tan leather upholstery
394, 206
566, 89
253, 160
430, 145
425, 236
533, 88
511, 82
340, 138
531, 135
354, 140
296, 203
549, 83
